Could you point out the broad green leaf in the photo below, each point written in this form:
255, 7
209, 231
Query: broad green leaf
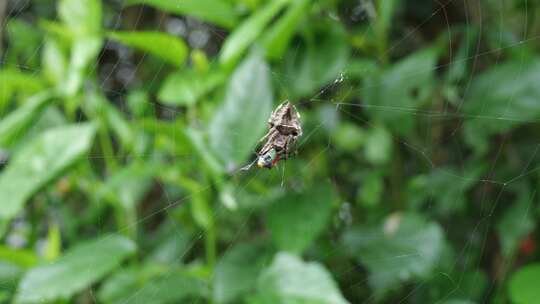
500, 99
391, 95
289, 280
186, 87
40, 162
17, 122
219, 12
524, 285
296, 220
167, 47
236, 272
77, 269
151, 284
318, 62
246, 33
405, 247
278, 36
82, 17
240, 121
210, 160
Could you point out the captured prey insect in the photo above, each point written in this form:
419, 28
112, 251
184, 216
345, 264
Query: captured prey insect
283, 130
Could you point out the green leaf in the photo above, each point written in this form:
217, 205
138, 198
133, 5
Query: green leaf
173, 287
317, 62
41, 162
185, 88
167, 47
296, 220
129, 184
493, 109
236, 272
289, 280
246, 33
516, 223
77, 269
240, 121
405, 247
82, 17
13, 82
378, 146
524, 285
277, 37
83, 54
219, 12
18, 121
391, 95
20, 257
54, 61
151, 284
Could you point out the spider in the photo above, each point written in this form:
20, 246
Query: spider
284, 129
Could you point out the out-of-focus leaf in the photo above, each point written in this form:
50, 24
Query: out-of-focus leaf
241, 120
151, 285
371, 189
14, 81
458, 67
219, 12
524, 285
500, 99
515, 224
129, 184
83, 53
9, 274
378, 146
289, 280
40, 162
186, 87
24, 39
172, 249
446, 187
349, 137
167, 47
278, 36
296, 220
237, 271
242, 37
210, 160
54, 61
82, 17
405, 247
77, 269
391, 95
20, 257
17, 122
54, 243
309, 67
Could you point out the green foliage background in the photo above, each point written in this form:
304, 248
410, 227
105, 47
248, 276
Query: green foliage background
124, 125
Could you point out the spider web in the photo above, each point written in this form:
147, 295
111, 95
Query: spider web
344, 108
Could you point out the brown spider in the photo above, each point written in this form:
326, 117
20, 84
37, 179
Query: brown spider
284, 129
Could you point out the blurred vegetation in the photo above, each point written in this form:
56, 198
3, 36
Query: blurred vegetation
123, 126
